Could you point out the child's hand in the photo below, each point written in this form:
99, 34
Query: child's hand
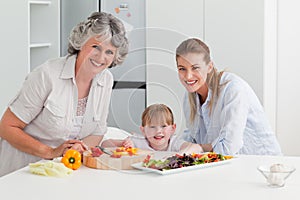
127, 143
189, 148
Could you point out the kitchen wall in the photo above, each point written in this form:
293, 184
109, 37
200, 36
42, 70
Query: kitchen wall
288, 81
274, 77
164, 33
236, 44
279, 93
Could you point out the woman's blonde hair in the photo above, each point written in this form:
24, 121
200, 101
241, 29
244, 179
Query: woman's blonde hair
194, 45
157, 113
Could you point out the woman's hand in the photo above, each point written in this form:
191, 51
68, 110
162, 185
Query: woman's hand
69, 144
80, 147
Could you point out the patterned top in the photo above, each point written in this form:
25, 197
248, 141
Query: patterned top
78, 119
81, 106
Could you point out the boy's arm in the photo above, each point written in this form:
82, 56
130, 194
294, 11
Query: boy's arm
188, 148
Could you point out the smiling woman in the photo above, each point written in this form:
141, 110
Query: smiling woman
96, 55
63, 103
222, 111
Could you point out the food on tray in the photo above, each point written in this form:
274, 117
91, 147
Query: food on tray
185, 160
115, 153
122, 151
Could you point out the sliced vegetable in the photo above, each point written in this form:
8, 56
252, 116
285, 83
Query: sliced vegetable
120, 151
179, 161
96, 152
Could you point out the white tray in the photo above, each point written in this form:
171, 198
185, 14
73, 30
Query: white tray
178, 170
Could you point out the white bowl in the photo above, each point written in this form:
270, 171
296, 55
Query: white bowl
276, 174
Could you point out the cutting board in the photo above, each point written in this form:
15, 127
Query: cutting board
105, 161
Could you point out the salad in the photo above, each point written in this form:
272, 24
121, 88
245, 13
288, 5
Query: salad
185, 160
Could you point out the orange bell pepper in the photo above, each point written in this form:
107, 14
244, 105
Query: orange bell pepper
72, 159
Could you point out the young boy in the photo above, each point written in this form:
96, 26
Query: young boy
158, 129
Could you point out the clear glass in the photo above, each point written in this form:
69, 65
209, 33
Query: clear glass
276, 178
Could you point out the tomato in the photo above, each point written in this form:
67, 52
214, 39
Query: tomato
96, 152
147, 159
120, 149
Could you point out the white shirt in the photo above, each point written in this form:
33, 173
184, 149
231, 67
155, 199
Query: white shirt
141, 142
237, 124
47, 102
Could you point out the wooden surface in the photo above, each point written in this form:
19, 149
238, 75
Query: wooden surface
105, 161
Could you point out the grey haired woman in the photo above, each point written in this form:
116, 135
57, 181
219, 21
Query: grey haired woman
64, 102
223, 113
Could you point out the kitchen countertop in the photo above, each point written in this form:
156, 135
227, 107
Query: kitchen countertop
238, 179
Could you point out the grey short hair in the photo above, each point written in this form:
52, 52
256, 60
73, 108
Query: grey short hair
104, 25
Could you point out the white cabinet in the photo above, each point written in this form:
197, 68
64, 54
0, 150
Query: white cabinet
43, 26
29, 36
14, 56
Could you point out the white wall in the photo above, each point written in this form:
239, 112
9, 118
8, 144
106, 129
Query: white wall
274, 76
233, 29
288, 84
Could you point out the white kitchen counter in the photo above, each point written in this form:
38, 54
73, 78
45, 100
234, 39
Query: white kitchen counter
238, 179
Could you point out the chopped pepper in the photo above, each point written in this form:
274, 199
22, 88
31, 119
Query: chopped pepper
72, 159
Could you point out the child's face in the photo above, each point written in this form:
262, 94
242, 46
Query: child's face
158, 135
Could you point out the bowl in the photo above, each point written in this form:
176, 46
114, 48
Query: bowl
276, 174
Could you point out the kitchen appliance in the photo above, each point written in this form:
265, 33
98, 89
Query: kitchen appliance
128, 99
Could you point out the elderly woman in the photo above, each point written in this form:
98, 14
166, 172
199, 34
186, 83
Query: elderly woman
64, 102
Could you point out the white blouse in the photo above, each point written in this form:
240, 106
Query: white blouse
237, 123
47, 103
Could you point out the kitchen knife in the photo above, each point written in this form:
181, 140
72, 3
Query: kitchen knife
104, 150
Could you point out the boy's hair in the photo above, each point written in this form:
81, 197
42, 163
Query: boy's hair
157, 113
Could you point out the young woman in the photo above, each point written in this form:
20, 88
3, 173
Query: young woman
223, 113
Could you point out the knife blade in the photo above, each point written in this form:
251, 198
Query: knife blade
104, 150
